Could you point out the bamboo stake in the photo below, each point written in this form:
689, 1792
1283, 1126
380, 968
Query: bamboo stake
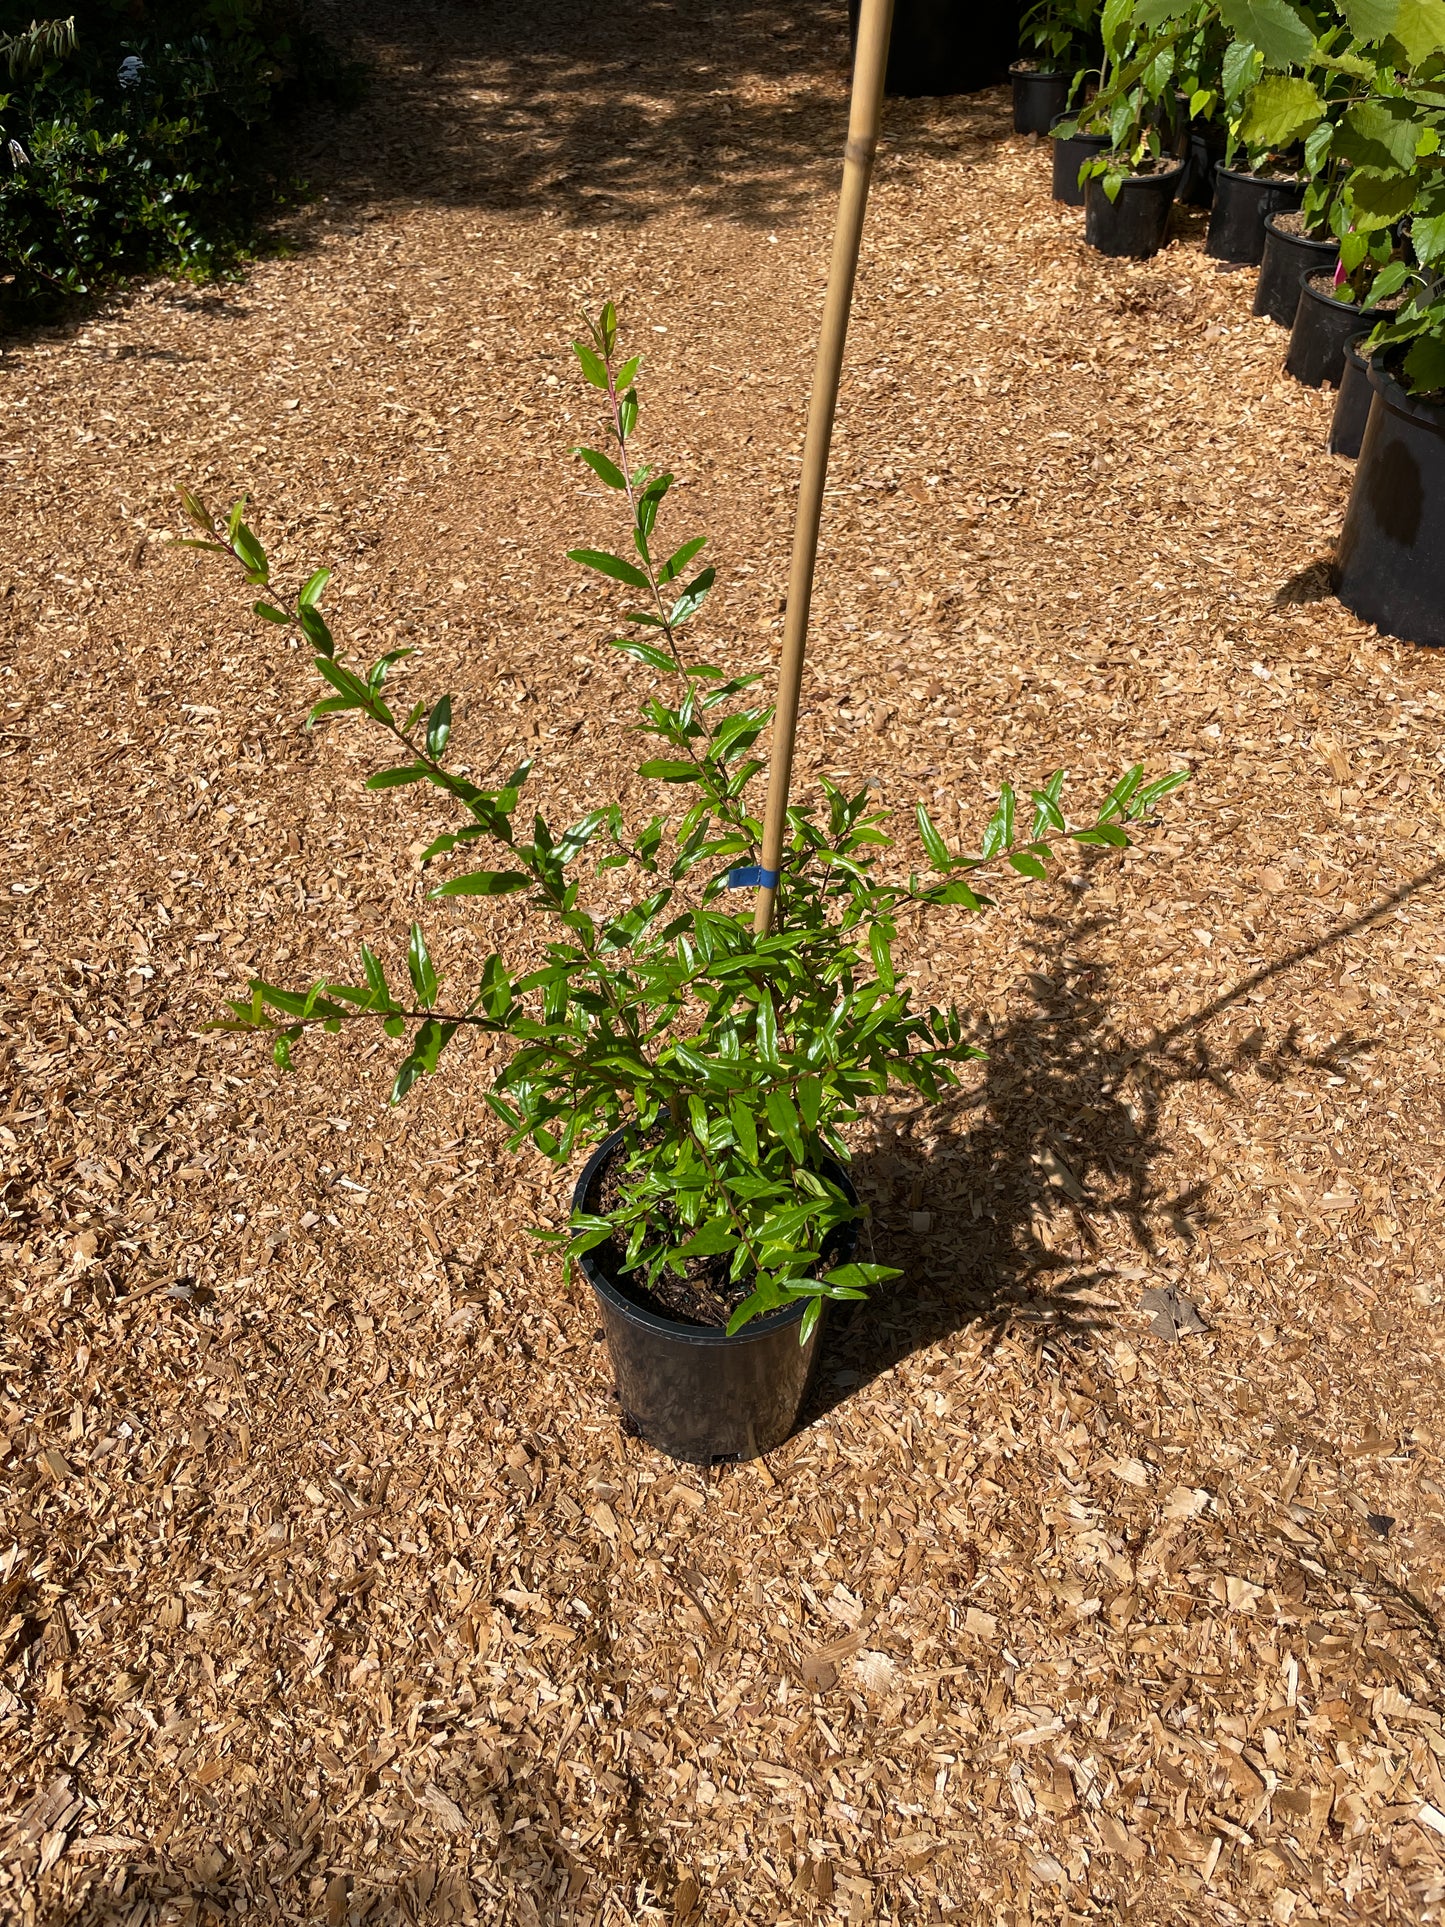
874, 22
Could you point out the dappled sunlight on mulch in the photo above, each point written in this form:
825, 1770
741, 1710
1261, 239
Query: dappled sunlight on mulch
331, 1588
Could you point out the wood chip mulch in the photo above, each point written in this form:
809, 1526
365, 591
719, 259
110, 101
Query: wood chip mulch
1103, 1580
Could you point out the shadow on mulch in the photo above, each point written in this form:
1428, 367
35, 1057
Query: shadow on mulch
1049, 1135
556, 107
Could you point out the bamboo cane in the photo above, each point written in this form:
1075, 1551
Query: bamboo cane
874, 22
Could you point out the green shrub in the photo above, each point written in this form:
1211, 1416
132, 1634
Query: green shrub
134, 138
733, 1061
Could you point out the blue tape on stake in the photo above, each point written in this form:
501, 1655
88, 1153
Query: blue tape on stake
752, 878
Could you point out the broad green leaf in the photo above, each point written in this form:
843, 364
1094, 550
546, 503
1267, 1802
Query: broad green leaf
692, 597
881, 952
1026, 865
767, 1028
1273, 27
268, 612
1370, 20
1282, 109
1425, 365
1420, 29
744, 1129
1378, 134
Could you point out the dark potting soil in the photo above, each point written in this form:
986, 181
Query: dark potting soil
1323, 282
1289, 220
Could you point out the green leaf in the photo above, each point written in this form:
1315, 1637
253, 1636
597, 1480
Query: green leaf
610, 565
484, 883
880, 950
715, 1237
1271, 26
311, 593
1420, 29
744, 1129
1026, 865
393, 779
603, 467
419, 965
767, 1029
783, 1116
692, 597
593, 366
1378, 134
680, 558
439, 728
1107, 833
660, 770
269, 613
314, 628
1282, 109
810, 1100
1425, 365
933, 843
1370, 20
644, 652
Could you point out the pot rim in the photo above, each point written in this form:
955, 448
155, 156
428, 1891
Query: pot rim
1264, 180
1148, 180
673, 1328
1331, 246
1430, 414
1372, 315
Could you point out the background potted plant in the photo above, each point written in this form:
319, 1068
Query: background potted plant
712, 1072
1059, 42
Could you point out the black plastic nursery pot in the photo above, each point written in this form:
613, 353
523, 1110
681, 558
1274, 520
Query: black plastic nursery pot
1391, 565
1070, 153
690, 1390
1242, 203
1352, 403
1202, 155
1286, 257
1322, 326
1137, 223
1040, 96
946, 46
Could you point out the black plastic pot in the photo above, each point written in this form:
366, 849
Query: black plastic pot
1391, 566
1039, 98
1242, 203
1286, 258
946, 46
1204, 150
1070, 153
1352, 403
1321, 328
690, 1390
1137, 223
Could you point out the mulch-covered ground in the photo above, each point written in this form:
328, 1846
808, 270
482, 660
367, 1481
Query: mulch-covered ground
331, 1588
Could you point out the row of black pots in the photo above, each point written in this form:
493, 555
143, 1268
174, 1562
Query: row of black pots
1243, 204
690, 1390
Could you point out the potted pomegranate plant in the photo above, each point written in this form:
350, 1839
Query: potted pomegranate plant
707, 1076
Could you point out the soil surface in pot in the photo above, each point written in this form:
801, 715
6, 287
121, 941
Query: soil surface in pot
1290, 221
701, 1294
1323, 282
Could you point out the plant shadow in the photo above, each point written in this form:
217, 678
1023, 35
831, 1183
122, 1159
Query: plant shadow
1055, 1138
